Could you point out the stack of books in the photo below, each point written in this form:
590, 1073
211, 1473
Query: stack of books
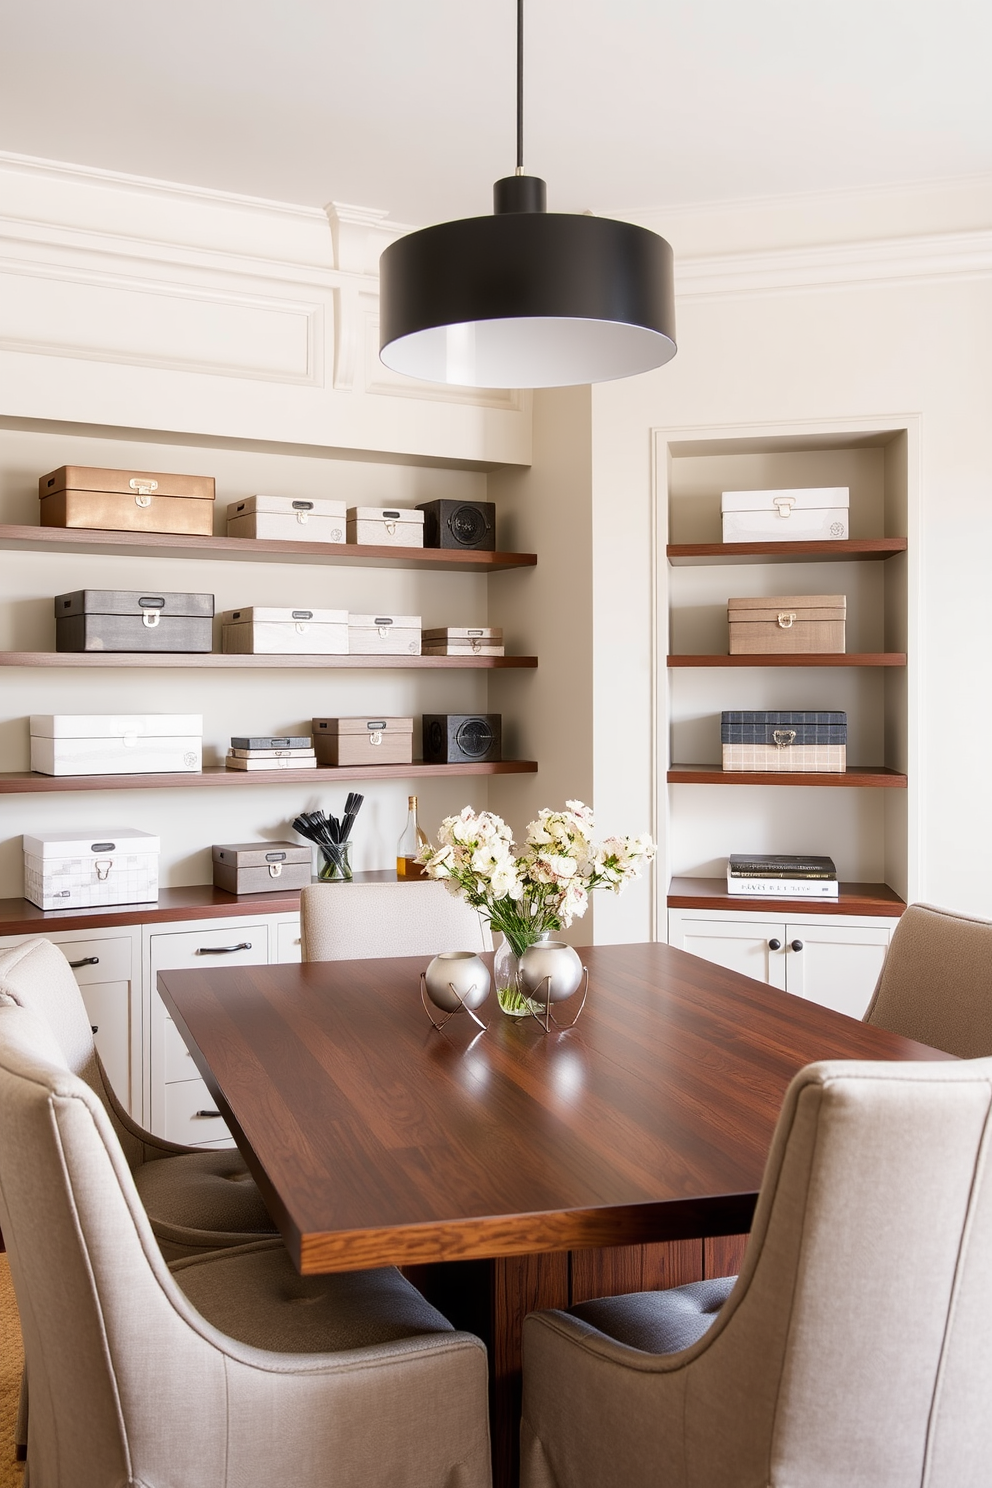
782, 876
266, 753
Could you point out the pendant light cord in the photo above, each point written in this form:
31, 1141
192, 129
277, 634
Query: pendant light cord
520, 87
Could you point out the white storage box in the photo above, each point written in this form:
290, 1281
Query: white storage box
386, 526
289, 518
804, 515
384, 635
272, 631
83, 869
116, 743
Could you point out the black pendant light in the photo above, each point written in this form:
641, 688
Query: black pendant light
526, 298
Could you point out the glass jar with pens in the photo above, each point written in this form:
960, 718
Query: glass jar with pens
332, 838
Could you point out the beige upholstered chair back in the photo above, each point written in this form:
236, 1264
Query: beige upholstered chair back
131, 1384
351, 922
856, 1345
936, 984
37, 976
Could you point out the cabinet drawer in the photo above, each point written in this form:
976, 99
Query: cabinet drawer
108, 1007
98, 960
239, 944
178, 1060
184, 1101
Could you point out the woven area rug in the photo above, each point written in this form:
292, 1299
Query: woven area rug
11, 1359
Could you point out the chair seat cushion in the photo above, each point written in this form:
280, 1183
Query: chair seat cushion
256, 1295
209, 1194
658, 1322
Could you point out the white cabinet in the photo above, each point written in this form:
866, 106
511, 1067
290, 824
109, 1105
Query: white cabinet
106, 964
830, 959
288, 945
180, 1107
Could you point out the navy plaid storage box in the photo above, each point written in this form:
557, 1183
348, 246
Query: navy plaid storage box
802, 741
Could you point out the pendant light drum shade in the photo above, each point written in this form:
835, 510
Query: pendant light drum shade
527, 299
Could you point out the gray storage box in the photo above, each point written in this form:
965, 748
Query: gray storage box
133, 620
261, 867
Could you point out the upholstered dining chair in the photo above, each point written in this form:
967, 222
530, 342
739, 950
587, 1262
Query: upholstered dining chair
936, 983
854, 1348
350, 922
225, 1368
196, 1200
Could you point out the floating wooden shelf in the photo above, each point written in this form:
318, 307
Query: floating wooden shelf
852, 549
214, 660
865, 775
854, 899
195, 902
28, 782
254, 550
796, 659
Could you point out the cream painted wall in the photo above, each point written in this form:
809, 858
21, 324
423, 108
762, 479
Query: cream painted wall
548, 714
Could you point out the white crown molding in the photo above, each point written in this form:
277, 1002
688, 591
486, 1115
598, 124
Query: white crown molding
965, 255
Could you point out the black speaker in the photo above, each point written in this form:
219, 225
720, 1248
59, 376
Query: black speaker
462, 738
459, 524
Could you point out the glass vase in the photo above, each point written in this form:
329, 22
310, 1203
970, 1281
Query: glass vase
506, 980
335, 863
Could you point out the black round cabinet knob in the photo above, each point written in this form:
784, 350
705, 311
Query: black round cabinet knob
797, 945
774, 945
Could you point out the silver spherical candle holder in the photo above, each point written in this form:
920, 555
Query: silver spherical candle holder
550, 972
455, 981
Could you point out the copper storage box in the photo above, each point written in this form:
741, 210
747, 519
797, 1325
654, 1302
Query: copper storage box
363, 741
127, 500
794, 623
261, 867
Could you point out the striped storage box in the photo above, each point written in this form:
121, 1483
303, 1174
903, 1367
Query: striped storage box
784, 741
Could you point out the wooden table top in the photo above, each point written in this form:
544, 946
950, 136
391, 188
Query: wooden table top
377, 1140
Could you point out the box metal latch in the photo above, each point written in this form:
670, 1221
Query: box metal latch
784, 737
783, 505
144, 488
785, 620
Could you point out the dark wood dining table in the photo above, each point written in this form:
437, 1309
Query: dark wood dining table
509, 1169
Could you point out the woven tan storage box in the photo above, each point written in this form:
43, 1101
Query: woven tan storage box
463, 640
127, 500
363, 741
800, 623
819, 759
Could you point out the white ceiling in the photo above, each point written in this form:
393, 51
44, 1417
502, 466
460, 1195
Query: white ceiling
408, 104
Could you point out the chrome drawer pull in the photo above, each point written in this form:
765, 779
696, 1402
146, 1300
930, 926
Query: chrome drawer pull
223, 950
205, 1115
86, 961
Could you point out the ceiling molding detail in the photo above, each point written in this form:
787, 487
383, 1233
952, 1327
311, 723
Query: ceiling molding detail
919, 260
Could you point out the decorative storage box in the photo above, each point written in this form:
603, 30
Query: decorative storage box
127, 500
83, 869
115, 743
459, 640
801, 623
788, 742
272, 631
462, 738
459, 524
363, 741
261, 867
127, 620
813, 515
386, 526
287, 518
384, 635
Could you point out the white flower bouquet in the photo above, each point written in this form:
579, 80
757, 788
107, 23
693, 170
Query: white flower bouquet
545, 886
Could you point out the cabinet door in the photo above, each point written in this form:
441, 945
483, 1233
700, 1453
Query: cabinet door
288, 941
744, 945
837, 965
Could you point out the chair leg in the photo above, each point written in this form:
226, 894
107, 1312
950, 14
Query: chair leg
21, 1424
